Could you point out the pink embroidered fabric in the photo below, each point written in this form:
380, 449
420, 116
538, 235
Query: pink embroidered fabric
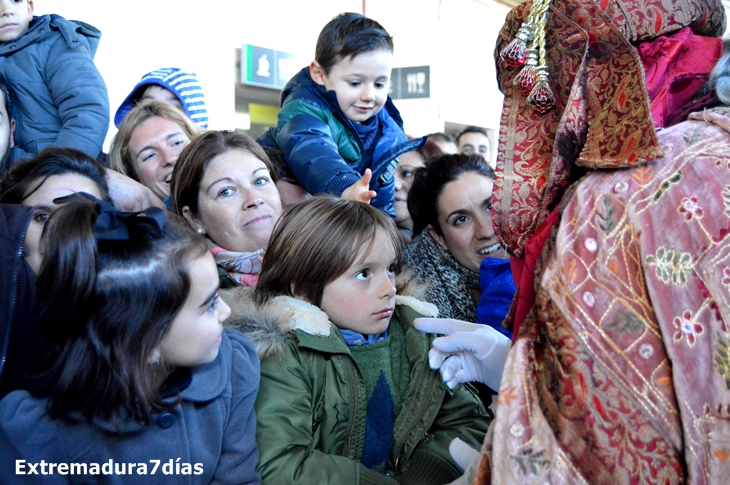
621, 374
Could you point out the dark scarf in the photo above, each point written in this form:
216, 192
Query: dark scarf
447, 280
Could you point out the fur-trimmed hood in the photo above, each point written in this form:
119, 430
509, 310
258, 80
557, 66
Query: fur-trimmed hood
270, 326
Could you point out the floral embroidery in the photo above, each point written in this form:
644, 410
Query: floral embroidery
673, 180
690, 207
517, 430
685, 325
671, 265
607, 217
721, 361
506, 396
694, 137
532, 461
627, 322
643, 174
589, 299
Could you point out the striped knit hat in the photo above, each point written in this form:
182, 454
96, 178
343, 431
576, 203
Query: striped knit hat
183, 84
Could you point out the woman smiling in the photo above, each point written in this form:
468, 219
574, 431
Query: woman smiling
148, 144
450, 203
224, 186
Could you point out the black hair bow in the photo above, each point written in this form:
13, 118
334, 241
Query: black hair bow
113, 224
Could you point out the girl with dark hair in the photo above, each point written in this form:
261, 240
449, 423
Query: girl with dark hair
34, 183
38, 181
347, 395
450, 203
136, 375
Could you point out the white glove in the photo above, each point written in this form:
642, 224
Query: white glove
463, 454
467, 458
468, 352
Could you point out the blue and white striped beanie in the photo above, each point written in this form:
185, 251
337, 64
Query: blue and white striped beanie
183, 84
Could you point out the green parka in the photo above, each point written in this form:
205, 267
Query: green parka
311, 405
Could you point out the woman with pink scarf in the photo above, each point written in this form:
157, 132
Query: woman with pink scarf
223, 185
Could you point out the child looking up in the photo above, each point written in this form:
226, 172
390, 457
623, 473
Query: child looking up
140, 373
48, 62
336, 117
347, 395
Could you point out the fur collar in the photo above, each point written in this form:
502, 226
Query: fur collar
270, 326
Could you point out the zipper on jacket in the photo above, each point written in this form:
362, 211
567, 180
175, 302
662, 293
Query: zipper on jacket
415, 423
353, 412
14, 304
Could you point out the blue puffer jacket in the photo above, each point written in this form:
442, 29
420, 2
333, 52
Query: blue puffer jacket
323, 149
61, 99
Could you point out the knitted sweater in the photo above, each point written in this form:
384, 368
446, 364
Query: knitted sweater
385, 370
448, 281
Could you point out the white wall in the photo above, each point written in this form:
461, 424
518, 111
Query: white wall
455, 37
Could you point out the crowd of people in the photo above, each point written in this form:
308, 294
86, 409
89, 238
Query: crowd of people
339, 302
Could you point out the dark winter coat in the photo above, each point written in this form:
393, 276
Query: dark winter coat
213, 427
17, 287
61, 98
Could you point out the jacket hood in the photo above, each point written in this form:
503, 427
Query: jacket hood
270, 326
75, 33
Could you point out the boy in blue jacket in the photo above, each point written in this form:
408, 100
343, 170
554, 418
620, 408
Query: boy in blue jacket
48, 62
336, 117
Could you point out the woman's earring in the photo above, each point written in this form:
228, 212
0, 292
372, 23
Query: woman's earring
200, 231
157, 361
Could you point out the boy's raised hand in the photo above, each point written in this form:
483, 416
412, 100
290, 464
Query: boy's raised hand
467, 352
360, 190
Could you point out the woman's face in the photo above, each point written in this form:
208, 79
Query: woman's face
238, 203
465, 217
407, 163
41, 200
154, 147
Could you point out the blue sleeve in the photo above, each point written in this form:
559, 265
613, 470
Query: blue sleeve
240, 454
312, 155
79, 92
498, 289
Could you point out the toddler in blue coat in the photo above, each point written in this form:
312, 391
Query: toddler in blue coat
48, 62
339, 130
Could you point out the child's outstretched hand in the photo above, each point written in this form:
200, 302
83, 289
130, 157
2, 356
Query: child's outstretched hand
360, 190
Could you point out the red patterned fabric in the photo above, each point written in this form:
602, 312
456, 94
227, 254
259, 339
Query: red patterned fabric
621, 373
602, 116
525, 296
676, 67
